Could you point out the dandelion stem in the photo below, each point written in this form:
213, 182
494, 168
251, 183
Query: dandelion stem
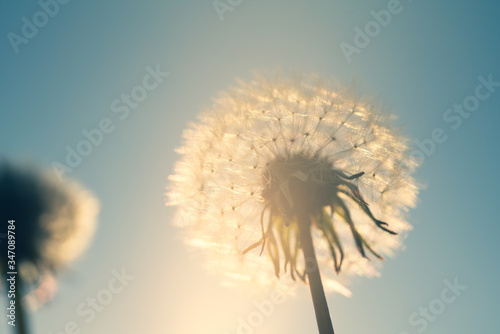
315, 285
21, 326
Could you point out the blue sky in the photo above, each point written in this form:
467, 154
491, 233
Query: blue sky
64, 79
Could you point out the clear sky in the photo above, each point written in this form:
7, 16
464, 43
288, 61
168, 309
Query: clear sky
67, 75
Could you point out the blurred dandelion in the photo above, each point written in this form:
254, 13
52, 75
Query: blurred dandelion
54, 223
296, 168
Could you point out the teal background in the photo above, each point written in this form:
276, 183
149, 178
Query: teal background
428, 58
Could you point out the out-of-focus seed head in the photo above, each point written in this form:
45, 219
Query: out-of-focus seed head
54, 221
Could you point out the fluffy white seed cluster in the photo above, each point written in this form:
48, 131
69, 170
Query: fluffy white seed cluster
218, 182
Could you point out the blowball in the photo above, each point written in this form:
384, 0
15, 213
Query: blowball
279, 148
54, 221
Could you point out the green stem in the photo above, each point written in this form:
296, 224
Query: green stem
315, 285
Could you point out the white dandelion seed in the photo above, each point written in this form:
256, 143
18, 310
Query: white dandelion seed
281, 158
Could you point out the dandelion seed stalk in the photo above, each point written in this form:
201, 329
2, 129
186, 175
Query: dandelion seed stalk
323, 319
21, 316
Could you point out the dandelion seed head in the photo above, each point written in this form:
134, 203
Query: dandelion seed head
54, 221
278, 145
